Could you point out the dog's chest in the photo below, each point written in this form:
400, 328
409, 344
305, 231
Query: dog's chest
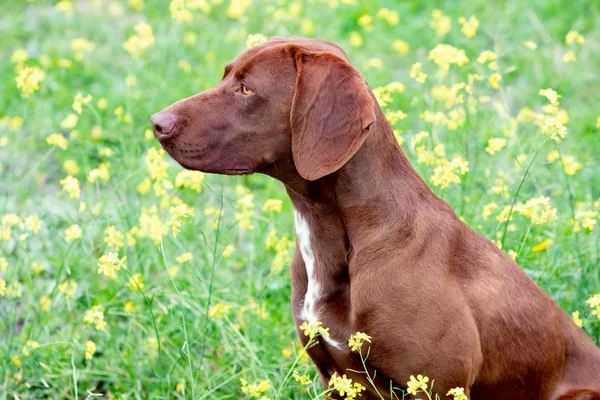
312, 307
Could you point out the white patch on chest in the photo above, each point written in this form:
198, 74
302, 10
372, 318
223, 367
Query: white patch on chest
313, 289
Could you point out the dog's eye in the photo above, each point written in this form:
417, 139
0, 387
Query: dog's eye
245, 90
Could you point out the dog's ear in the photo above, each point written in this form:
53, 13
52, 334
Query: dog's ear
332, 111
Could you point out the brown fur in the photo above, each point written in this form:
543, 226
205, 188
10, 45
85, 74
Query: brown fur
392, 259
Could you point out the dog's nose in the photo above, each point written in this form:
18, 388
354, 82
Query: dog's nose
163, 124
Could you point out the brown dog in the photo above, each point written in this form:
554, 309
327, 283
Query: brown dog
377, 251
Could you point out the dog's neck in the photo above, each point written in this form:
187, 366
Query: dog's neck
375, 189
376, 192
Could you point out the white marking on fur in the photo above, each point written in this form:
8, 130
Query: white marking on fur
313, 289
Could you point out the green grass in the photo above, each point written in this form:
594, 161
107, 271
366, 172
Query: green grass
168, 338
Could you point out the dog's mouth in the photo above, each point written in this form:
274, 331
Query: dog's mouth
237, 171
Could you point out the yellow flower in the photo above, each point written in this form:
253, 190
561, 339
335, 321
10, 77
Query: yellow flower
486, 56
302, 379
416, 72
113, 237
314, 328
33, 223
414, 385
137, 44
71, 167
542, 245
445, 55
109, 263
272, 205
228, 251
551, 95
19, 56
495, 145
457, 393
58, 140
391, 17
237, 8
219, 310
190, 179
574, 36
71, 186
68, 288
16, 360
345, 387
2, 287
570, 165
45, 303
400, 46
255, 389
28, 80
449, 172
256, 39
469, 27
73, 232
64, 7
576, 319
356, 39
70, 121
554, 129
3, 264
530, 45
569, 56
440, 22
585, 219
80, 101
136, 281
90, 350
185, 257
356, 341
29, 345
494, 80
594, 303
95, 316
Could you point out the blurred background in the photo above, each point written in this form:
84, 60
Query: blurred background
124, 276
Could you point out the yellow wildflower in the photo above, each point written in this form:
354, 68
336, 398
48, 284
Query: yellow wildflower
95, 316
58, 140
414, 385
400, 46
494, 80
440, 22
542, 245
68, 288
137, 44
28, 80
90, 350
554, 129
109, 263
302, 379
355, 39
469, 27
71, 186
80, 101
416, 72
574, 36
356, 341
495, 145
2, 287
190, 179
445, 55
237, 8
45, 303
73, 232
530, 45
569, 56
314, 328
29, 345
219, 310
345, 387
457, 393
255, 389
391, 17
228, 251
256, 39
576, 319
19, 56
136, 281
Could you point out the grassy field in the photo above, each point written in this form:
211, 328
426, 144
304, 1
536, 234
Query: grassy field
122, 276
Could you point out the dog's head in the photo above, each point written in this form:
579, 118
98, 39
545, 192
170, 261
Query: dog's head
295, 98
